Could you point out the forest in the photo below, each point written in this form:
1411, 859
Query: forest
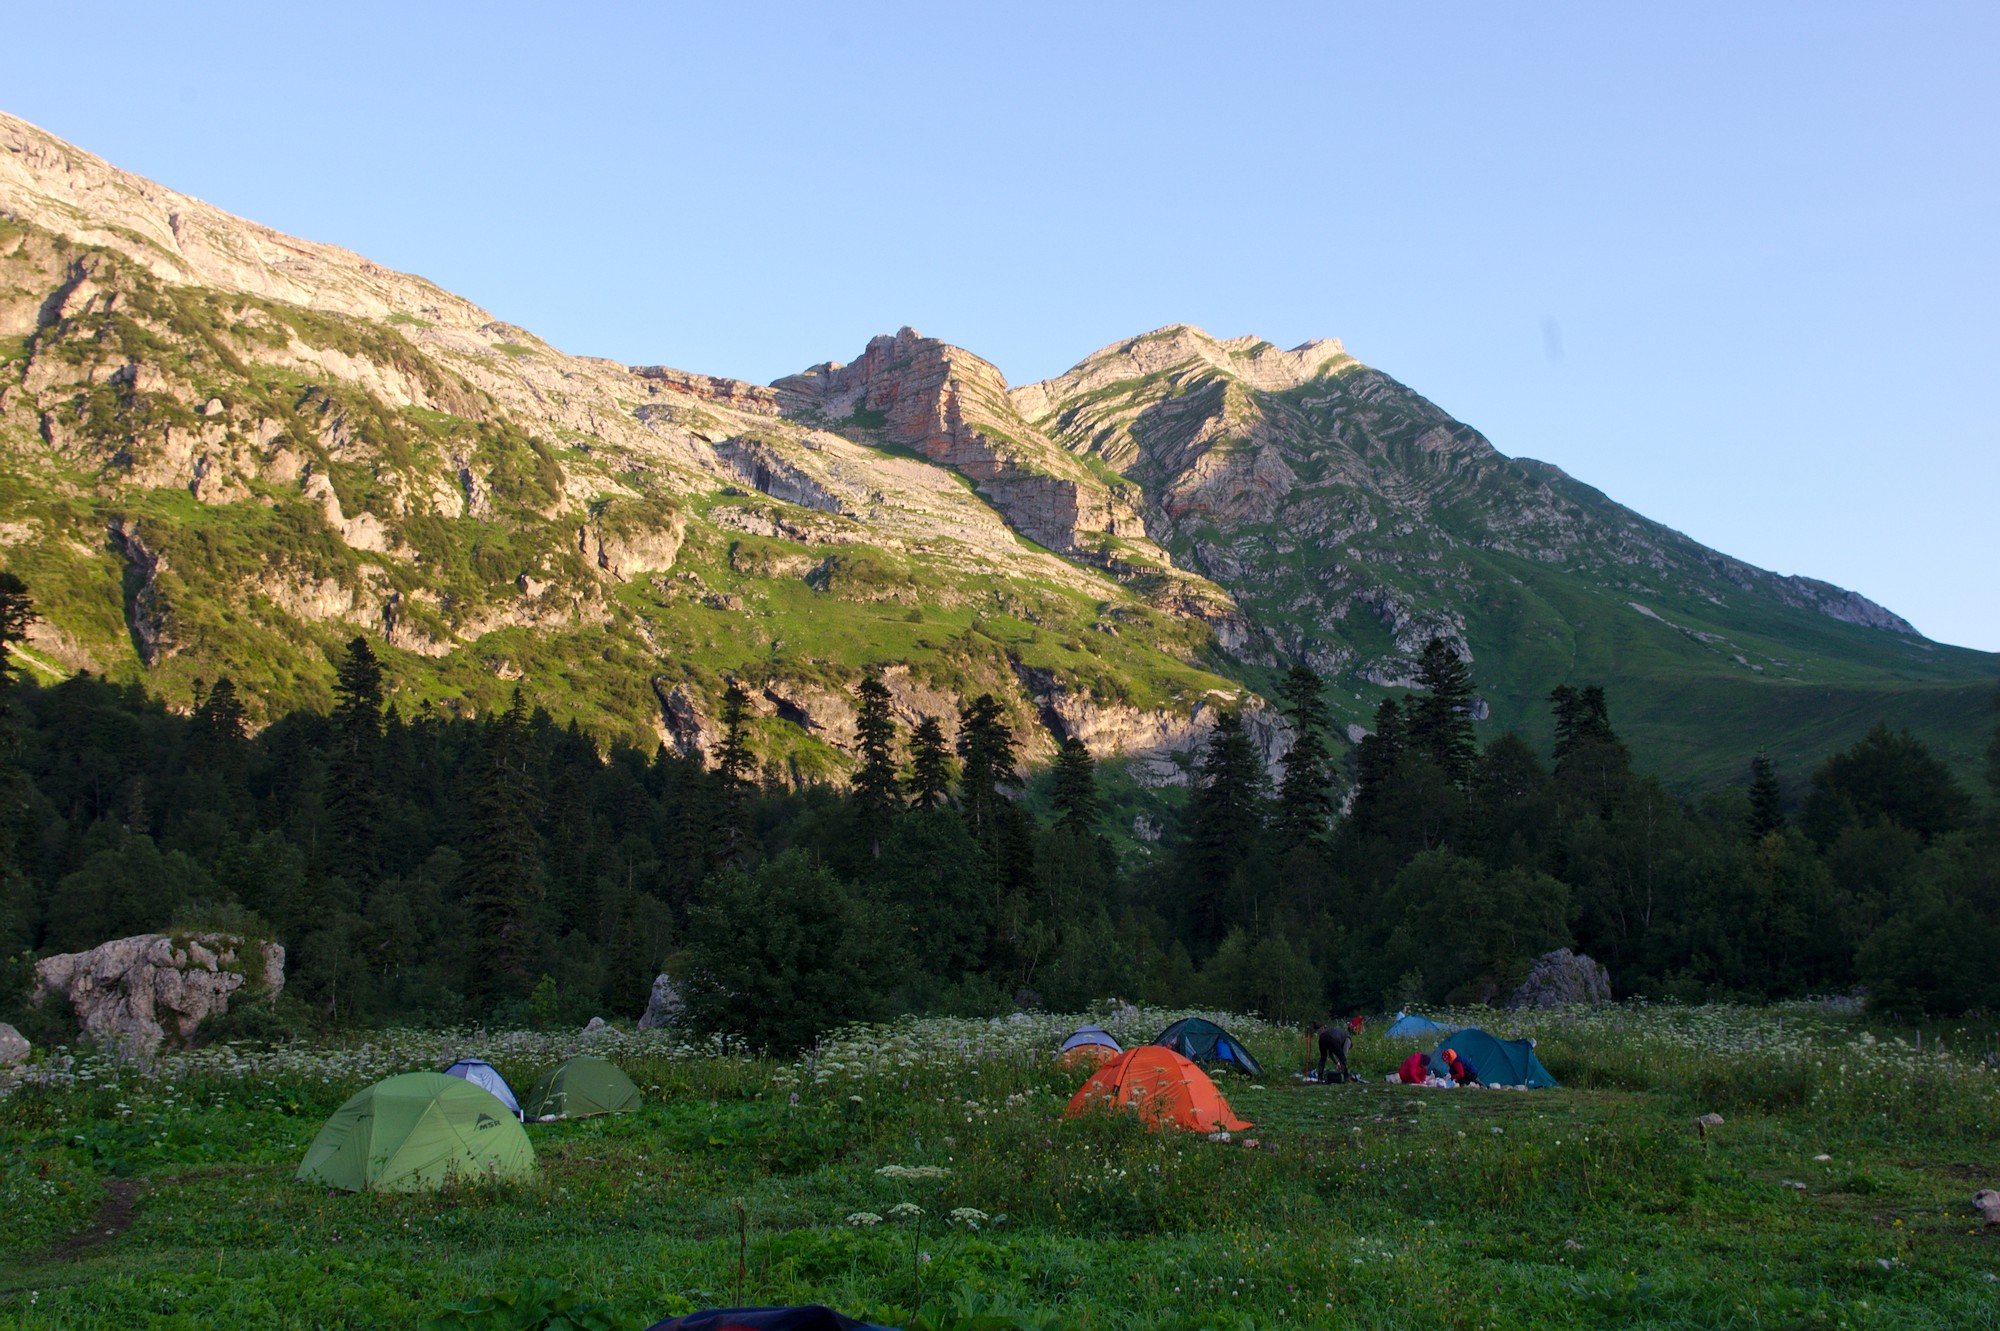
509, 869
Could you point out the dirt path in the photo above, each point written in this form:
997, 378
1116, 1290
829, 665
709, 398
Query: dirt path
114, 1217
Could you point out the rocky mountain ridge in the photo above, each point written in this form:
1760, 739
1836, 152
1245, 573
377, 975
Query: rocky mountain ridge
229, 449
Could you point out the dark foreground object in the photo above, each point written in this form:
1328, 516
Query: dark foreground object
815, 1318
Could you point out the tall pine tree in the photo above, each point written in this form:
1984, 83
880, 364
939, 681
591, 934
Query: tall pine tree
1075, 795
502, 879
1305, 795
1440, 718
354, 791
877, 787
1225, 820
986, 749
930, 765
1766, 813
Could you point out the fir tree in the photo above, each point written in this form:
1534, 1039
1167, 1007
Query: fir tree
1375, 762
877, 787
1075, 794
986, 749
735, 761
1305, 795
1766, 815
503, 858
17, 611
930, 765
1583, 718
354, 793
1440, 718
1225, 820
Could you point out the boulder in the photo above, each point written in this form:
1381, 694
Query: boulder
1562, 977
594, 1024
129, 991
14, 1046
664, 1008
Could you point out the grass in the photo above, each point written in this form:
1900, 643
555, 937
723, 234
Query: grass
1366, 1205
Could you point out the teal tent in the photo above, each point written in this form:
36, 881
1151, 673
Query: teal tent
1201, 1041
1499, 1062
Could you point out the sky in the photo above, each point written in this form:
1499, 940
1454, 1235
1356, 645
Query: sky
1733, 264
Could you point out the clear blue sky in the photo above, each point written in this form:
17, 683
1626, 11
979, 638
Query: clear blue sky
1735, 264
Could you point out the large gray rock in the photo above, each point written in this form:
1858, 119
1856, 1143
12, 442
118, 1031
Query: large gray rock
129, 991
664, 1008
14, 1046
1562, 977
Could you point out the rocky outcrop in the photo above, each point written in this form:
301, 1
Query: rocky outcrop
664, 1008
14, 1047
147, 615
133, 993
1560, 978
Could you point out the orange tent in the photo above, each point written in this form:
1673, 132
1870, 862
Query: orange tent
1162, 1087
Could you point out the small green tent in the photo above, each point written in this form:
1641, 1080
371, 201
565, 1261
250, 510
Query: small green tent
419, 1130
1499, 1062
1202, 1041
579, 1088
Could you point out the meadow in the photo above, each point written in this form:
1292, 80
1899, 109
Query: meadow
921, 1174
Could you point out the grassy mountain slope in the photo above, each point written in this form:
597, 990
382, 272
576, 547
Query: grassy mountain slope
228, 451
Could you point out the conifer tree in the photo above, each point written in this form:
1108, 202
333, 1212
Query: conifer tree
1583, 718
354, 793
1766, 815
1440, 718
1375, 762
986, 749
734, 760
503, 858
930, 765
1075, 793
1225, 819
1305, 795
877, 787
17, 611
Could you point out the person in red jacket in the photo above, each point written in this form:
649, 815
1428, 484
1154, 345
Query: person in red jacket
1415, 1069
1459, 1070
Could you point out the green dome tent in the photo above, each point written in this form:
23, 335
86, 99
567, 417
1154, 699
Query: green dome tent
416, 1131
1202, 1041
583, 1086
1499, 1062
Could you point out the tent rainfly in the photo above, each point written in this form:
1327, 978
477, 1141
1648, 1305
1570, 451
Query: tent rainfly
1499, 1062
1159, 1085
1089, 1046
814, 1318
415, 1131
1205, 1042
483, 1074
583, 1086
1410, 1026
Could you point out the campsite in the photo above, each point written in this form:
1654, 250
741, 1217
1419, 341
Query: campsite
927, 1168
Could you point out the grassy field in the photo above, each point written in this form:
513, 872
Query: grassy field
924, 1170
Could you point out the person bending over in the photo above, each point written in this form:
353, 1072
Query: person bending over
1334, 1042
1416, 1069
1459, 1070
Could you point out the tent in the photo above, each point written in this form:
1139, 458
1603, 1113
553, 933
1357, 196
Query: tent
483, 1074
1499, 1062
815, 1318
1410, 1026
1088, 1047
1163, 1088
1206, 1042
583, 1086
418, 1130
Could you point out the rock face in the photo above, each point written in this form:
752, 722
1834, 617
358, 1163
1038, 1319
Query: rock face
1560, 978
14, 1046
664, 1008
134, 992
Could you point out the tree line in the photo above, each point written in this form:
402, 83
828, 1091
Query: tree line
507, 868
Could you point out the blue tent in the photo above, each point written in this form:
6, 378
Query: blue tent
1201, 1041
1499, 1062
1096, 1035
1409, 1026
814, 1318
484, 1075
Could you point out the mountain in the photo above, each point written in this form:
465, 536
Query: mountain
229, 450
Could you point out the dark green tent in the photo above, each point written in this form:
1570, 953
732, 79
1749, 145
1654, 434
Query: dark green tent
583, 1086
418, 1130
1202, 1041
1499, 1062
